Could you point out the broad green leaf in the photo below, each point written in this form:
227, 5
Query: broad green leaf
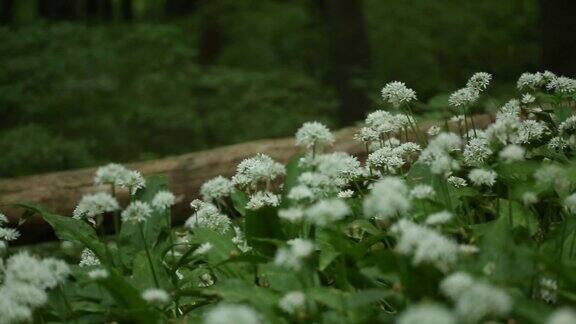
263, 224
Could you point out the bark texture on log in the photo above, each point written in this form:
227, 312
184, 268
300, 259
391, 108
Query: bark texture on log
59, 192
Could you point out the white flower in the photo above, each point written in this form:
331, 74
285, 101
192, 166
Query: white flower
457, 181
512, 153
549, 289
463, 98
568, 126
261, 199
206, 280
208, 216
110, 174
557, 143
326, 212
382, 122
433, 130
98, 274
552, 175
527, 98
422, 192
388, 198
476, 152
258, 169
96, 204
530, 81
439, 218
570, 203
339, 167
367, 134
137, 212
230, 313
292, 256
479, 81
88, 258
530, 130
396, 93
240, 241
9, 234
155, 296
385, 158
426, 313
425, 244
132, 180
203, 248
529, 198
562, 85
163, 200
3, 219
216, 188
24, 268
456, 284
292, 302
562, 316
293, 214
314, 133
344, 194
300, 192
480, 177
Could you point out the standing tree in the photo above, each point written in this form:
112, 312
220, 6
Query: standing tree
127, 10
349, 55
558, 29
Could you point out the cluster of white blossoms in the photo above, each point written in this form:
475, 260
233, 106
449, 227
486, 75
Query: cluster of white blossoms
293, 255
232, 313
88, 258
440, 153
257, 170
389, 198
26, 280
118, 175
293, 302
314, 134
137, 212
482, 177
475, 299
93, 205
216, 189
155, 296
163, 200
327, 211
396, 93
207, 215
428, 313
7, 234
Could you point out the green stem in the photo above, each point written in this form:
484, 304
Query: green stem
148, 254
67, 305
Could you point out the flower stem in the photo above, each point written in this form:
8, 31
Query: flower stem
148, 254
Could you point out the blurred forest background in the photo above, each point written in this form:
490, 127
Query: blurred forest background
84, 82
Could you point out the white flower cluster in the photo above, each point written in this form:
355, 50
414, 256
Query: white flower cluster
294, 254
389, 198
257, 170
314, 134
232, 313
88, 258
163, 200
326, 212
292, 302
137, 212
93, 205
118, 175
438, 155
396, 93
155, 296
261, 199
216, 189
7, 233
26, 280
482, 177
475, 299
427, 313
207, 215
462, 99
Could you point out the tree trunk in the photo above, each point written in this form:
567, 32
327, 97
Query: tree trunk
558, 25
7, 14
127, 10
349, 55
210, 39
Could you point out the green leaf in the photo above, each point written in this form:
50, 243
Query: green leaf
292, 173
142, 273
73, 230
263, 224
239, 200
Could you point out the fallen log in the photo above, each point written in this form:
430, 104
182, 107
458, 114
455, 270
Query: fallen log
59, 192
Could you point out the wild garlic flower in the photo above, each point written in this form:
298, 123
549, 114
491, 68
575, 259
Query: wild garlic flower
563, 315
163, 200
203, 249
552, 175
258, 169
367, 135
345, 194
294, 254
110, 174
313, 134
261, 199
425, 244
156, 296
437, 154
562, 85
231, 313
382, 122
340, 167
292, 302
422, 192
479, 81
300, 192
88, 258
557, 143
428, 313
463, 98
482, 177
292, 214
96, 204
442, 217
216, 188
133, 181
530, 81
9, 234
456, 284
326, 212
529, 198
206, 280
137, 212
549, 289
396, 93
529, 131
208, 216
3, 219
568, 126
240, 240
388, 198
477, 151
527, 98
512, 153
98, 274
385, 159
